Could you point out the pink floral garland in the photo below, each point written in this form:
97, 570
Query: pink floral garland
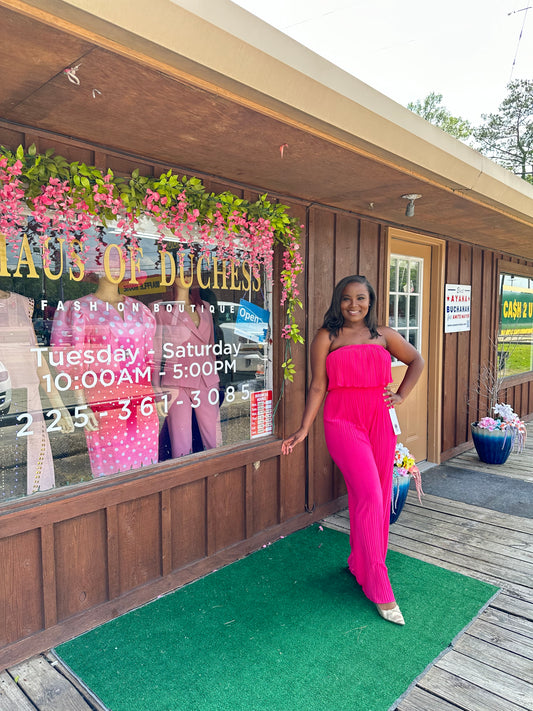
63, 206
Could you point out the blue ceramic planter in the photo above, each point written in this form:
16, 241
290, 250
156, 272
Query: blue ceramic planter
493, 447
400, 488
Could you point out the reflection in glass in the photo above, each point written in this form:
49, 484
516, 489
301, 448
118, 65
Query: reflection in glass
115, 361
403, 275
402, 310
393, 275
392, 310
415, 277
413, 310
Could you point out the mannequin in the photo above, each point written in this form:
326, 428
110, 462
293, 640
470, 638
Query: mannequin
190, 379
110, 340
17, 339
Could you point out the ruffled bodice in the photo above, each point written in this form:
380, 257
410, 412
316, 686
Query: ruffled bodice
365, 365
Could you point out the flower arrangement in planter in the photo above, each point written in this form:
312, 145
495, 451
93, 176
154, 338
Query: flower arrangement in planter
495, 437
44, 194
404, 469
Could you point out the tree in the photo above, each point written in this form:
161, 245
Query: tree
507, 136
432, 110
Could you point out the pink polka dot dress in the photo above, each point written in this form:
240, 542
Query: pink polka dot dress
110, 355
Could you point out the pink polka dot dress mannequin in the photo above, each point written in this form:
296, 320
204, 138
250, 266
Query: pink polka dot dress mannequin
111, 359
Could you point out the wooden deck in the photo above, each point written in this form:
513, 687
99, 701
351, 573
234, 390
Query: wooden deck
489, 667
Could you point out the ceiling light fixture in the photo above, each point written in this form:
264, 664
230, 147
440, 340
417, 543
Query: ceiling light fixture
410, 209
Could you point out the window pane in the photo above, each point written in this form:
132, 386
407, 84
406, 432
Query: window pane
403, 276
415, 277
115, 361
515, 340
402, 310
413, 310
392, 311
393, 274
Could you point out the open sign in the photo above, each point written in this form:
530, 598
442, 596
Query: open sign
252, 321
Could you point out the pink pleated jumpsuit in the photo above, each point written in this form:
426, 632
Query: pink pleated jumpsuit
361, 441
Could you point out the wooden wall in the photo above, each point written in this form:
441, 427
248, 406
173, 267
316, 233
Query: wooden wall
465, 353
72, 558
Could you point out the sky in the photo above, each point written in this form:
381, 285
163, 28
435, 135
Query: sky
466, 50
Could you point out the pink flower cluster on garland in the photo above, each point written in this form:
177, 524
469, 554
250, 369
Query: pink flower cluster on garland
66, 199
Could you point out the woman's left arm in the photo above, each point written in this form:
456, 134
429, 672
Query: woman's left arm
404, 351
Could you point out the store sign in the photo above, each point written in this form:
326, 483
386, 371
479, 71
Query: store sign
457, 307
252, 322
117, 265
260, 413
517, 310
125, 357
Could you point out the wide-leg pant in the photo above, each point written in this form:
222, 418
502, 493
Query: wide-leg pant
180, 419
361, 441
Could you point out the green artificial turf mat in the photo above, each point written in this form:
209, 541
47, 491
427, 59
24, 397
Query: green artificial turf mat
285, 629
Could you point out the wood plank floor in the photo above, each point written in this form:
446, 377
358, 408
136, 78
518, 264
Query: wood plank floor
489, 668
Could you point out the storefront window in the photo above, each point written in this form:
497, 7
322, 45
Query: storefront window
114, 358
515, 338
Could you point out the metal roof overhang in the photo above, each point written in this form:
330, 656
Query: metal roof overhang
208, 87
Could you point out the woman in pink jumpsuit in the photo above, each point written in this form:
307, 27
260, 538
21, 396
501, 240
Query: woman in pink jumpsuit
351, 361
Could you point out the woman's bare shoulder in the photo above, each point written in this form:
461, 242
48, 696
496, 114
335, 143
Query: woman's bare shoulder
322, 340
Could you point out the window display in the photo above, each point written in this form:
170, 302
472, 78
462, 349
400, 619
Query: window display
115, 357
515, 338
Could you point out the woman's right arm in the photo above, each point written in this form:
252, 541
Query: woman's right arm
317, 390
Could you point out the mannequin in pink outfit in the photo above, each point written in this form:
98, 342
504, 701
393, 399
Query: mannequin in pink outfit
117, 398
16, 344
350, 361
188, 375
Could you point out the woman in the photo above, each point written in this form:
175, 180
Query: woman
350, 359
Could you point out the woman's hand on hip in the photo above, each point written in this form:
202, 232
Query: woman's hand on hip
391, 398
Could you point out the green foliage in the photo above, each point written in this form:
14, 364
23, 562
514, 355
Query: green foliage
507, 136
131, 193
432, 109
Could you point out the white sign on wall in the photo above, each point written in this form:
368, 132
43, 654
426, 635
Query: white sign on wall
457, 303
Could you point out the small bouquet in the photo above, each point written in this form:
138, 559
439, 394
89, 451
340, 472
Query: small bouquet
507, 421
404, 466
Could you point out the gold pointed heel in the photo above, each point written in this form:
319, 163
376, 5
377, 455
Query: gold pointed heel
393, 615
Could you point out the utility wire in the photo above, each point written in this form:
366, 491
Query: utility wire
525, 11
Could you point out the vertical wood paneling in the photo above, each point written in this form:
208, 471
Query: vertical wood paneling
189, 525
293, 467
226, 495
166, 533
81, 563
463, 354
486, 332
346, 246
139, 541
320, 288
49, 575
369, 248
265, 499
450, 359
113, 565
475, 326
21, 587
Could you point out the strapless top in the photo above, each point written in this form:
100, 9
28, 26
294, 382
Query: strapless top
364, 365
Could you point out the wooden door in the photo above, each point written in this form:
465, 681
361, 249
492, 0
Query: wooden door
409, 302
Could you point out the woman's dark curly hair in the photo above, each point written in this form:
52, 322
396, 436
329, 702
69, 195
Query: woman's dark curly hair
333, 318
